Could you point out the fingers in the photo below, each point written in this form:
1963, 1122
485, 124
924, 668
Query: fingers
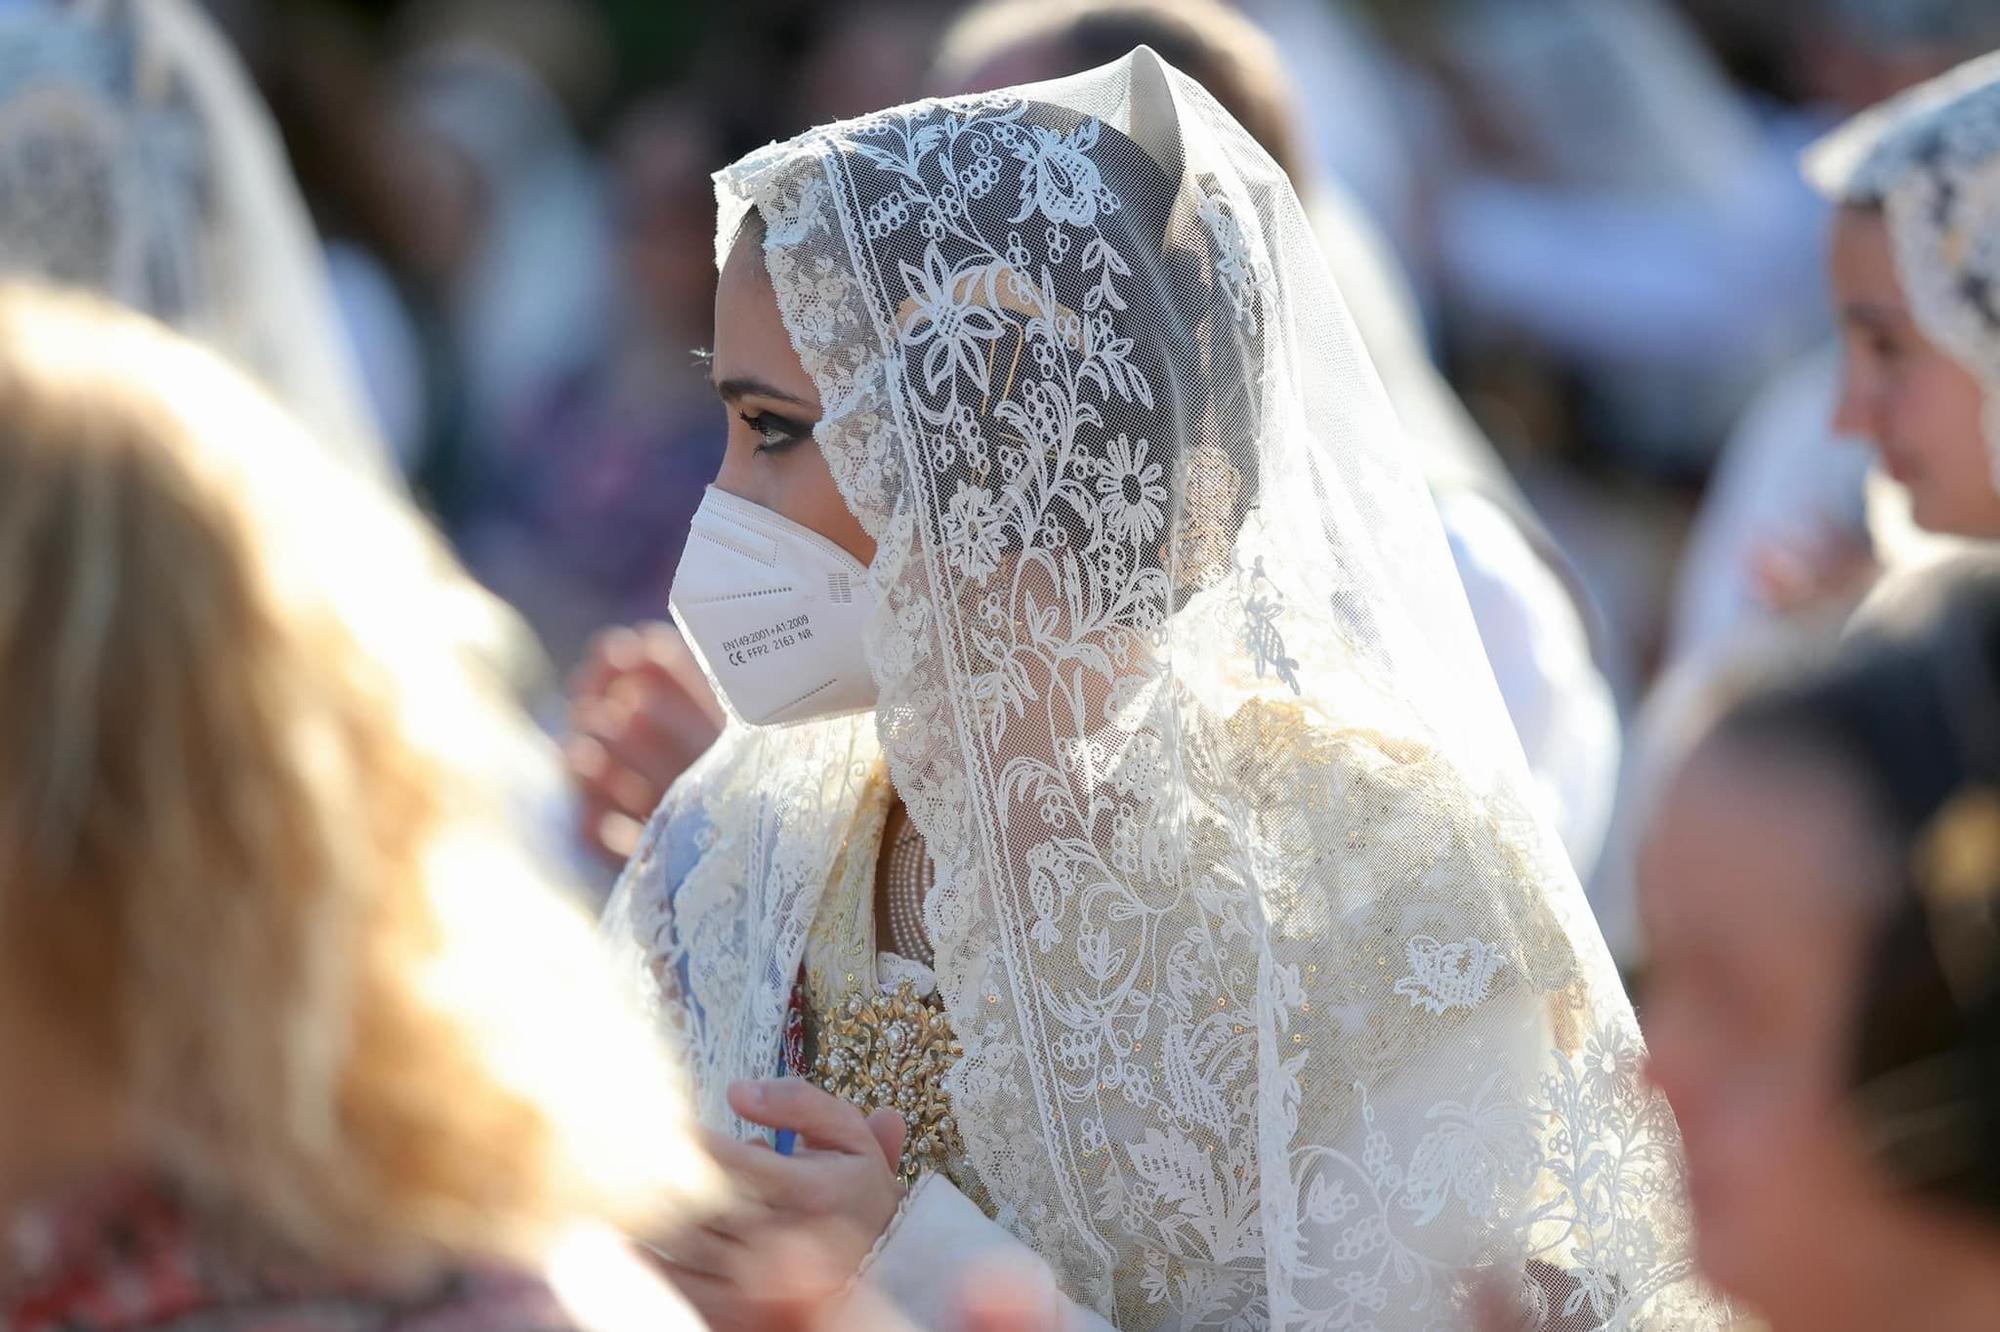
792, 1284
606, 782
797, 1289
890, 1130
1782, 577
825, 1122
668, 655
1000, 1298
623, 750
995, 1308
612, 835
762, 1175
704, 1251
720, 1301
610, 655
641, 714
1796, 575
602, 825
658, 726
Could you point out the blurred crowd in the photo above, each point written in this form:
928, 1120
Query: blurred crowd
1577, 239
1590, 218
1597, 210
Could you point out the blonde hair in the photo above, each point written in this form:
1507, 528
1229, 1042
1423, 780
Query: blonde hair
255, 836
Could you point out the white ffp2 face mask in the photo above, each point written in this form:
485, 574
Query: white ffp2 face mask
776, 611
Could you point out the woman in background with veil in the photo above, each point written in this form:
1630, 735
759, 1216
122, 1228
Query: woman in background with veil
136, 161
1115, 799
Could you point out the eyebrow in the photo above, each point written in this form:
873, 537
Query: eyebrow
732, 389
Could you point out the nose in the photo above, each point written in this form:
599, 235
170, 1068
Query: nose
738, 477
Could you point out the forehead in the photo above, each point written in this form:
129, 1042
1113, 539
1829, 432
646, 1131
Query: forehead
750, 336
1754, 841
1864, 260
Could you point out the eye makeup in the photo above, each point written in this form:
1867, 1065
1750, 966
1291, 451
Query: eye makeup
775, 433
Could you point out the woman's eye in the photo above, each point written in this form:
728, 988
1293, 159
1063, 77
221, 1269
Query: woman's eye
774, 432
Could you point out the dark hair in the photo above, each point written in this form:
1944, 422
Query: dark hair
1204, 369
1913, 717
1208, 40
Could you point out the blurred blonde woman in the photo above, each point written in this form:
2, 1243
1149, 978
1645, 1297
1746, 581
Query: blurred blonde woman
288, 1016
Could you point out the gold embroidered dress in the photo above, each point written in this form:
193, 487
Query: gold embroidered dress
874, 1029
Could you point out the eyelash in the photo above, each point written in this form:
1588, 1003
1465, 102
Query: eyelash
776, 433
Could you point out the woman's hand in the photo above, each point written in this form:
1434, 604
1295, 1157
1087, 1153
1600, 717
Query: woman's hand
799, 1292
839, 1187
640, 712
1829, 570
836, 1194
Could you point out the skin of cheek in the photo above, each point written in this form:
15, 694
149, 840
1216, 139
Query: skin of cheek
1923, 411
751, 343
1940, 411
1757, 953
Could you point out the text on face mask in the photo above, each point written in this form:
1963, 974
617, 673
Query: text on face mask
774, 638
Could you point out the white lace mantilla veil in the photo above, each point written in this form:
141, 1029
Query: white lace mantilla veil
137, 161
1278, 1008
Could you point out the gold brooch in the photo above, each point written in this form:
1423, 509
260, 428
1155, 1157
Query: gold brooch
892, 1053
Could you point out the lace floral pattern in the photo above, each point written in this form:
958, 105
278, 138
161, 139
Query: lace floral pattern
1276, 1009
1238, 266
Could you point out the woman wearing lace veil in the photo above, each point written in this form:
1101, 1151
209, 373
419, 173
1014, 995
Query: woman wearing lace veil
1114, 789
1915, 259
1916, 279
137, 162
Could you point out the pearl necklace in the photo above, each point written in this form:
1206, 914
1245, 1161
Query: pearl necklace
907, 878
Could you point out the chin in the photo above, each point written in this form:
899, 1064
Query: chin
1779, 1266
1736, 1253
1984, 525
1968, 512
1938, 515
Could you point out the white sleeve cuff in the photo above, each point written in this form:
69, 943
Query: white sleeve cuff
939, 1241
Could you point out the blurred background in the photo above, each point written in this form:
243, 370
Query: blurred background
1597, 202
1597, 205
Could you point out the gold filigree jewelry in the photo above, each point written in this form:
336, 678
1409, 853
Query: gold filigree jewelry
892, 1053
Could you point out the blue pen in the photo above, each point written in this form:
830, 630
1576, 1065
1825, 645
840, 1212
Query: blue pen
785, 1141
